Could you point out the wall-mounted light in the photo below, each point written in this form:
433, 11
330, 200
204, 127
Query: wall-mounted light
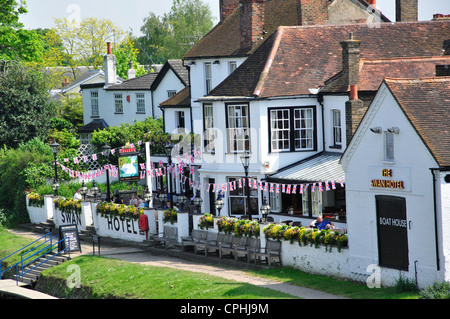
394, 130
216, 62
376, 129
191, 63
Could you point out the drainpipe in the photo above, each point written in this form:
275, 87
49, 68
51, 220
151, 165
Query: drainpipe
435, 217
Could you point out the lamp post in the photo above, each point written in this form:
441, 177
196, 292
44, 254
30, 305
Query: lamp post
83, 190
219, 204
55, 148
94, 190
265, 209
163, 199
106, 151
168, 148
245, 159
198, 201
148, 197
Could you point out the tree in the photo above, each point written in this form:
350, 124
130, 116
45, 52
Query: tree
170, 36
85, 44
125, 53
25, 106
15, 42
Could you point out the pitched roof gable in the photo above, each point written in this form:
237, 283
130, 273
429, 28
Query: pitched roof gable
304, 57
426, 103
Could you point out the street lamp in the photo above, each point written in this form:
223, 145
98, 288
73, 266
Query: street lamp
245, 159
198, 201
219, 204
55, 148
106, 151
163, 199
168, 148
148, 196
94, 190
83, 190
265, 209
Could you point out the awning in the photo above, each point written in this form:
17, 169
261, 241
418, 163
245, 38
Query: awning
318, 168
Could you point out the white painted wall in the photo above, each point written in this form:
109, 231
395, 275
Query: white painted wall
362, 162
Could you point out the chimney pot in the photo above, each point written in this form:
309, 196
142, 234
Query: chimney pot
353, 92
109, 51
373, 3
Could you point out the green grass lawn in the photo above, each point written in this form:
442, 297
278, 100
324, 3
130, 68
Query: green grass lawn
126, 280
119, 279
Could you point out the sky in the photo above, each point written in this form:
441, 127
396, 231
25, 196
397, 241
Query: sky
129, 14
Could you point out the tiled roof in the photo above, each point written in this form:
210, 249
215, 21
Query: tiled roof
176, 65
373, 71
143, 82
426, 103
95, 125
224, 38
181, 99
295, 59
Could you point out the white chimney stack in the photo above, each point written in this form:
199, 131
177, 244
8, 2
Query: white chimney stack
131, 72
110, 67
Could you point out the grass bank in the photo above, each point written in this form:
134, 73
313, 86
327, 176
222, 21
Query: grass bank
109, 278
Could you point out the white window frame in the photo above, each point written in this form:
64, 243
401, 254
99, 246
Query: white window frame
388, 147
337, 127
232, 65
140, 103
210, 132
118, 103
208, 77
304, 129
171, 93
94, 104
280, 130
238, 127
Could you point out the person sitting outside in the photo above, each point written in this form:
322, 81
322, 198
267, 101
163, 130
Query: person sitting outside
321, 224
134, 201
77, 195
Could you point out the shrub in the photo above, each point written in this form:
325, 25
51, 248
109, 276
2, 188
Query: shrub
439, 290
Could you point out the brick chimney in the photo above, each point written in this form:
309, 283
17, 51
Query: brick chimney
406, 10
354, 112
110, 67
227, 7
350, 60
312, 12
252, 21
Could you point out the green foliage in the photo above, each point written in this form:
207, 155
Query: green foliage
439, 290
10, 11
25, 106
18, 169
71, 110
170, 36
124, 54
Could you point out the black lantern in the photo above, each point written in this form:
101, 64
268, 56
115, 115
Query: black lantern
168, 148
265, 209
219, 204
198, 201
245, 159
94, 189
106, 150
83, 190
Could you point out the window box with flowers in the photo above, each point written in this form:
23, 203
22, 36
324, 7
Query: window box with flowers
306, 236
70, 205
35, 200
123, 211
206, 221
170, 216
238, 227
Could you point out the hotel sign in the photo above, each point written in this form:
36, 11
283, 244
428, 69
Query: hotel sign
389, 178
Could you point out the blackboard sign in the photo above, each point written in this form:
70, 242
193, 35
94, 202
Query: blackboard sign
71, 232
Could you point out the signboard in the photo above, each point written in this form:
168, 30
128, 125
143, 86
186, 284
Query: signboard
396, 178
392, 230
71, 232
128, 165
